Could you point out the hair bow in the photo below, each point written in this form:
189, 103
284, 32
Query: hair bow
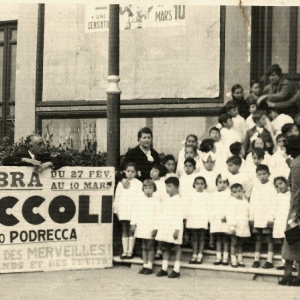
207, 155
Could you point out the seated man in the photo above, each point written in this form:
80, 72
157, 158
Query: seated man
35, 156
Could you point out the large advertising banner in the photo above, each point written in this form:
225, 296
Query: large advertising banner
57, 220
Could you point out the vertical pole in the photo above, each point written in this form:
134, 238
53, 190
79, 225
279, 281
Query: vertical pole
39, 61
113, 91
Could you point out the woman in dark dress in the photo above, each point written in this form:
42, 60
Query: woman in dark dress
292, 252
143, 155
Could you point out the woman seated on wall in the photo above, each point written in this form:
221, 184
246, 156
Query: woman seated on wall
280, 93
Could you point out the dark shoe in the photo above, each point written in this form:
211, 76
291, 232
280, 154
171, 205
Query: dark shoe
212, 247
123, 256
225, 263
174, 275
217, 262
234, 266
130, 256
199, 261
162, 273
141, 271
282, 267
296, 282
268, 265
242, 265
286, 280
256, 264
193, 260
158, 256
148, 271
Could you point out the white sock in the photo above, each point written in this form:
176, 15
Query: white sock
219, 256
149, 265
283, 261
240, 258
125, 242
159, 252
165, 264
145, 265
200, 256
225, 256
270, 257
131, 244
177, 266
256, 256
233, 259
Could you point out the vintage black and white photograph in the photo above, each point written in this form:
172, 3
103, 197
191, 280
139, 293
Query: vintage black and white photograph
150, 150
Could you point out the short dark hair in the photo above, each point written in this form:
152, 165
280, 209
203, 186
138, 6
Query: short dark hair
220, 177
286, 128
192, 135
235, 159
274, 68
160, 168
223, 118
279, 136
281, 178
131, 164
254, 81
259, 152
230, 105
149, 182
190, 160
253, 101
168, 157
145, 130
200, 178
235, 148
235, 87
172, 180
262, 167
236, 186
207, 145
31, 137
264, 142
214, 129
256, 116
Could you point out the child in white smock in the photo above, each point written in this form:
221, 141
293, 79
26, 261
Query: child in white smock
124, 203
197, 218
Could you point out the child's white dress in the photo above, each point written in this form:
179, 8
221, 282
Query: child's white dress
238, 216
262, 204
219, 203
125, 199
210, 177
170, 219
278, 165
198, 210
145, 216
185, 190
281, 214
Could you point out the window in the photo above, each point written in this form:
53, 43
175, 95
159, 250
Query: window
275, 40
8, 51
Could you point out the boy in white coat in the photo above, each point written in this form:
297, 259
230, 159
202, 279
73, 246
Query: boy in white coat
262, 204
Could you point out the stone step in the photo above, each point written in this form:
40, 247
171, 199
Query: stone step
207, 268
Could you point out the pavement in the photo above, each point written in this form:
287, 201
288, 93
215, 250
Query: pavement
122, 282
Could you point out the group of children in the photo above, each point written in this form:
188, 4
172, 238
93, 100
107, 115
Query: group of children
232, 185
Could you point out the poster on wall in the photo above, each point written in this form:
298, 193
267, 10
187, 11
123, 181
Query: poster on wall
58, 220
134, 16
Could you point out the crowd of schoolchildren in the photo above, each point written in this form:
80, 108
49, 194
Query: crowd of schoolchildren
229, 186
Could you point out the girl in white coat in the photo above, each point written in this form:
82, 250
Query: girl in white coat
124, 203
143, 222
197, 218
282, 207
218, 224
238, 223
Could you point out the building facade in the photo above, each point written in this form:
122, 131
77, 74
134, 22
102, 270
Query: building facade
174, 76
